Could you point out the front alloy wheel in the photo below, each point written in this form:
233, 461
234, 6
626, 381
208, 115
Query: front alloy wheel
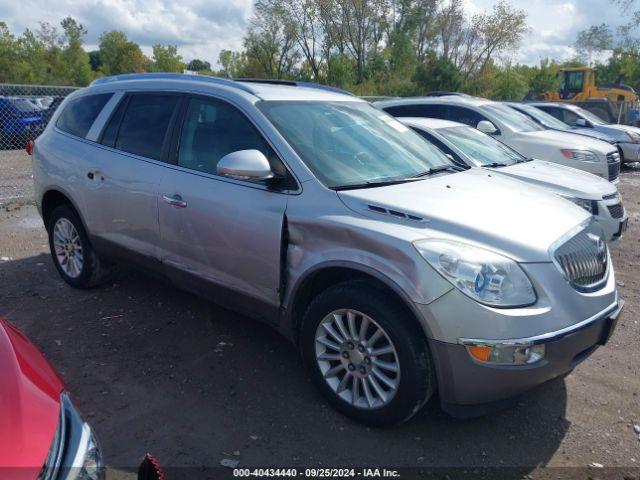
367, 353
357, 358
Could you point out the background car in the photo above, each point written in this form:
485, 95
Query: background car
42, 434
20, 120
574, 116
552, 123
514, 129
470, 147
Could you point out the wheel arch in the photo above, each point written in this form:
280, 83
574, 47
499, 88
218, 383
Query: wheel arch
53, 198
328, 274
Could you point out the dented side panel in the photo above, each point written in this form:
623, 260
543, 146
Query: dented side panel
335, 237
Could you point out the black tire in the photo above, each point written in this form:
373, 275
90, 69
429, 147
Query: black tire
93, 270
417, 379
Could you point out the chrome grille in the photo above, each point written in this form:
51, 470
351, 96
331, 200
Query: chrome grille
583, 258
613, 164
616, 211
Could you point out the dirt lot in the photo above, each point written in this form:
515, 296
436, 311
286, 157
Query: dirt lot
159, 370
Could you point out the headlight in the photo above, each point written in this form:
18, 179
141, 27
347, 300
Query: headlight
590, 206
75, 452
580, 155
632, 136
483, 275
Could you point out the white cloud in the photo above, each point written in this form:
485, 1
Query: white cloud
201, 28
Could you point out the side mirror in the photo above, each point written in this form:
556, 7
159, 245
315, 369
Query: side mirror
581, 122
485, 126
245, 165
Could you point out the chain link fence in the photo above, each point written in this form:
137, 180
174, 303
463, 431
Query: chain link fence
25, 111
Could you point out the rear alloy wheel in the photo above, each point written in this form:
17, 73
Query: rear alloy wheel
72, 253
367, 354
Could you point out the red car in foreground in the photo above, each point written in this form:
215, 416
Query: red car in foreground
42, 435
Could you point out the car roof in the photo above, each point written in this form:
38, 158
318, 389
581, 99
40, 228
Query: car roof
432, 123
452, 99
264, 89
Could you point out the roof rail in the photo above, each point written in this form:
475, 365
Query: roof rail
174, 76
293, 83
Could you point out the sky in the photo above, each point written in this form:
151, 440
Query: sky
201, 28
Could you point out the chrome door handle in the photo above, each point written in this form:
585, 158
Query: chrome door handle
175, 200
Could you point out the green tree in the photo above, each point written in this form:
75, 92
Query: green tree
439, 74
76, 60
8, 54
95, 60
120, 55
593, 41
197, 65
233, 64
166, 59
508, 85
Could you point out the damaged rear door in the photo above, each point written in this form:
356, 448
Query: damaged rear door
220, 236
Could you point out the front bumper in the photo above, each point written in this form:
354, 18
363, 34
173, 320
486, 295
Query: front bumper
630, 152
613, 218
468, 387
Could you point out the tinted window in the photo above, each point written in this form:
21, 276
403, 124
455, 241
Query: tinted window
464, 115
213, 129
80, 113
145, 123
424, 111
110, 132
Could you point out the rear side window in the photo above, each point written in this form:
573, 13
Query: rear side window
425, 111
144, 124
80, 113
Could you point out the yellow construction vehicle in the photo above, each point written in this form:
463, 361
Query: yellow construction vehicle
578, 85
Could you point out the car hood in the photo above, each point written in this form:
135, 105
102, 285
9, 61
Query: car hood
29, 404
560, 179
560, 139
476, 206
590, 132
613, 129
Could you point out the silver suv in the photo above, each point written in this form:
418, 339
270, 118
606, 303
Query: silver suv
393, 271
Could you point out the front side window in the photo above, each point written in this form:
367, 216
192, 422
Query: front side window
482, 148
587, 115
80, 113
145, 123
516, 121
213, 129
352, 143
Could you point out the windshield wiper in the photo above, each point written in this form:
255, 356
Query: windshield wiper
371, 184
524, 160
440, 169
495, 165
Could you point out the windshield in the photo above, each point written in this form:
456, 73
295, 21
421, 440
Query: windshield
592, 117
23, 104
352, 143
480, 147
543, 118
516, 121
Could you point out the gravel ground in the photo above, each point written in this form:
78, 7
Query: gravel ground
16, 184
155, 369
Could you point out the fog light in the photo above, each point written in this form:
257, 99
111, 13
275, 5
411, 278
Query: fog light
507, 354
